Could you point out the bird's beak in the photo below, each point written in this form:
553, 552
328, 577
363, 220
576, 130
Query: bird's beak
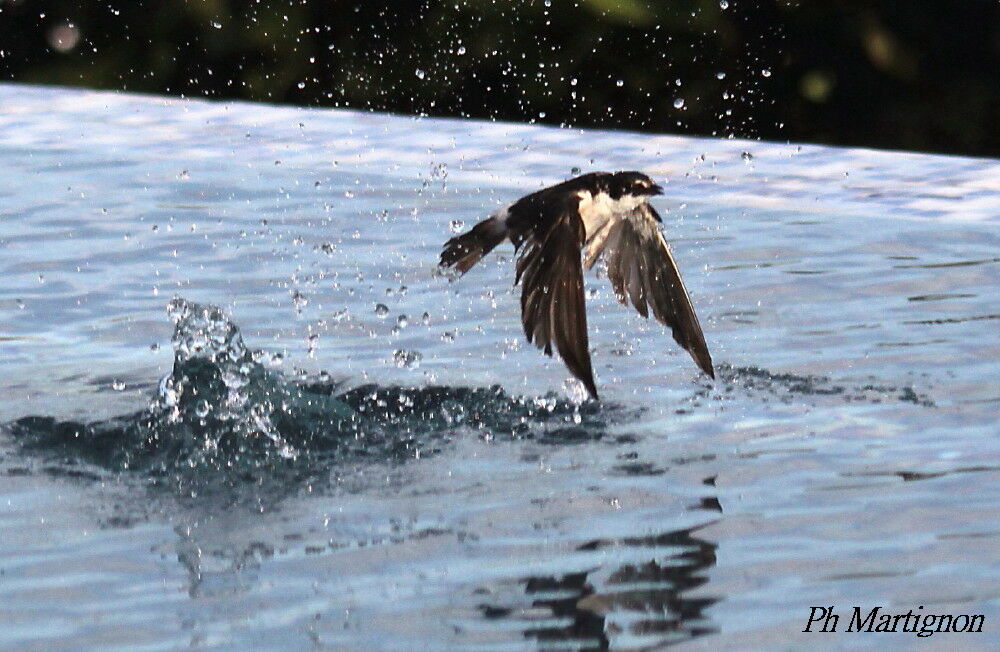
656, 189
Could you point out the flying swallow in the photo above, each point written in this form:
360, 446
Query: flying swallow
604, 214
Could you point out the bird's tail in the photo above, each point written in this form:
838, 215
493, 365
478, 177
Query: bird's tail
464, 251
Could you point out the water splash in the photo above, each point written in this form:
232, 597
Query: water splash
218, 390
222, 419
734, 384
218, 410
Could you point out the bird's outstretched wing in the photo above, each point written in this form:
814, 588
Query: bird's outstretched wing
641, 269
552, 301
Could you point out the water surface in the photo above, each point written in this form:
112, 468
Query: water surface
436, 484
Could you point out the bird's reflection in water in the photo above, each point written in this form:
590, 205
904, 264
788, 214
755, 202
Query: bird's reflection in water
637, 605
216, 573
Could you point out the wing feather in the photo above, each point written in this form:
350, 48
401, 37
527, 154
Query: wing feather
636, 290
553, 309
642, 270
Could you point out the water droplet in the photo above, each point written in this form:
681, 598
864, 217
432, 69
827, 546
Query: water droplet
460, 51
457, 226
118, 385
575, 391
216, 25
724, 4
622, 349
300, 300
620, 83
202, 408
679, 103
720, 75
402, 321
747, 156
448, 336
420, 73
765, 72
426, 319
301, 85
407, 359
381, 310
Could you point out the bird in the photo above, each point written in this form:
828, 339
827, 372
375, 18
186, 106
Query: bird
560, 230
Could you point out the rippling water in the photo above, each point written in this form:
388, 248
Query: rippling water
351, 451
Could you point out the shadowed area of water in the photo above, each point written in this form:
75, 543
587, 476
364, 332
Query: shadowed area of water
222, 419
326, 444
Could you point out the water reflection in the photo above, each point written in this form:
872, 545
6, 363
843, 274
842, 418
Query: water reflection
216, 573
640, 604
644, 599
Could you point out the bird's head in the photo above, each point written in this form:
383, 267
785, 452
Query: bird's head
636, 184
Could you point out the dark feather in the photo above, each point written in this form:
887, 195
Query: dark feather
464, 251
642, 269
552, 301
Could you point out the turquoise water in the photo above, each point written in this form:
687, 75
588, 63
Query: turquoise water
394, 467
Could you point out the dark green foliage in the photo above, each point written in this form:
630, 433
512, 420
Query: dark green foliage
920, 74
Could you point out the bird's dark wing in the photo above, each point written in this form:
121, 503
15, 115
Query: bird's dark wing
552, 302
641, 269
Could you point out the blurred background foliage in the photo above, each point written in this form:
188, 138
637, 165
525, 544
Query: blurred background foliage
906, 74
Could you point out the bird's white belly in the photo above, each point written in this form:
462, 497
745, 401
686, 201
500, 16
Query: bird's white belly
597, 210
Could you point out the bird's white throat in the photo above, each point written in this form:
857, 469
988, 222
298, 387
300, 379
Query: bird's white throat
597, 209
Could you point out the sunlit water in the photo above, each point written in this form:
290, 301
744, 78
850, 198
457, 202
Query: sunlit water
351, 451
